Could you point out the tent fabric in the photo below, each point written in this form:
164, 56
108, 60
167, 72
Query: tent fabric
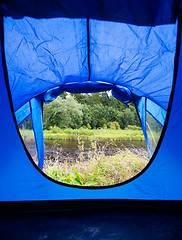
42, 54
122, 94
22, 113
21, 180
141, 107
37, 123
145, 105
147, 13
46, 53
158, 113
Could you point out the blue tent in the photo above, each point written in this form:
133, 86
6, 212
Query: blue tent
132, 49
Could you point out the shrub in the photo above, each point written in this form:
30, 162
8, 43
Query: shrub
101, 122
88, 126
55, 129
114, 125
133, 127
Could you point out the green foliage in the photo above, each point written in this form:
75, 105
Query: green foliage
102, 122
92, 110
88, 126
55, 129
113, 102
129, 117
80, 98
114, 125
121, 119
104, 126
94, 98
133, 127
87, 114
110, 113
98, 169
63, 113
101, 133
98, 114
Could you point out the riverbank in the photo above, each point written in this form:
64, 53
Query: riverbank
99, 170
57, 133
92, 166
127, 134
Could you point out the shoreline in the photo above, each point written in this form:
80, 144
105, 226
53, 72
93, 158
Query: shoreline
95, 134
87, 134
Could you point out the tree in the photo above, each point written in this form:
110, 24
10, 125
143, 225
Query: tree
120, 118
64, 113
97, 115
87, 114
75, 111
94, 98
80, 98
110, 113
116, 104
129, 117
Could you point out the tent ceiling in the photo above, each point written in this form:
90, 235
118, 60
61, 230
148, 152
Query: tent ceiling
145, 13
45, 53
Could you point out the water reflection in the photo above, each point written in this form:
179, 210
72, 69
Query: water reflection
70, 149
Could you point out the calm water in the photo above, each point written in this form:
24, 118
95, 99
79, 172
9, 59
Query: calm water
69, 149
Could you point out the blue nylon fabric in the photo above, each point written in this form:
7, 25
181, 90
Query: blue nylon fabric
141, 107
138, 58
158, 113
87, 87
122, 94
20, 180
51, 94
22, 113
37, 123
46, 53
150, 12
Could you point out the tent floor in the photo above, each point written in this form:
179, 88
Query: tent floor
96, 224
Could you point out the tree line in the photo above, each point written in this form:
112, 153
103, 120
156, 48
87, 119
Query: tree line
90, 111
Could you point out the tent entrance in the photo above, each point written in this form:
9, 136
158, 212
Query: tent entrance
80, 114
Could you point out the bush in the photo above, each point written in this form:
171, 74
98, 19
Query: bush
133, 127
55, 129
105, 126
88, 126
114, 125
101, 122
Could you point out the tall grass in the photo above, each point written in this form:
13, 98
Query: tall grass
95, 168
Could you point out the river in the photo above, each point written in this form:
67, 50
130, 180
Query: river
70, 149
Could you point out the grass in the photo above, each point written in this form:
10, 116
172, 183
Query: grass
128, 134
97, 169
57, 133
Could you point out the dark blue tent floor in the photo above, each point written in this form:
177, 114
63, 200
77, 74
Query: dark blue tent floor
98, 224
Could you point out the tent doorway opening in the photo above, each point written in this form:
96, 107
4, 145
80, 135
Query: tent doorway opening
91, 139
